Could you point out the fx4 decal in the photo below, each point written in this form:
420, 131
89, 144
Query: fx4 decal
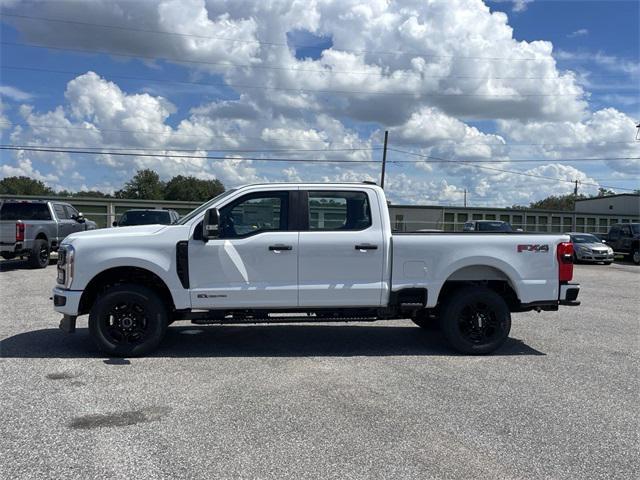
533, 248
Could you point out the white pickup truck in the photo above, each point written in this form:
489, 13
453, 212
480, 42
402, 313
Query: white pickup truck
302, 253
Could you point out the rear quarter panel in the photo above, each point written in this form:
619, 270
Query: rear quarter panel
429, 260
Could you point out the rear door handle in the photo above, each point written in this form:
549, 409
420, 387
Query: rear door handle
366, 247
277, 248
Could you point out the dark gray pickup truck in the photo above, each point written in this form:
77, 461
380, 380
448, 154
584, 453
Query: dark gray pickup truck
35, 228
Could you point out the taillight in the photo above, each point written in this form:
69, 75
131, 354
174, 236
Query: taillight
565, 261
19, 232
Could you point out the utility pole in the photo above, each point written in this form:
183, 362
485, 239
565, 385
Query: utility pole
465, 198
384, 157
574, 227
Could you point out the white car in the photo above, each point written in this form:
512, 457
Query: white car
305, 252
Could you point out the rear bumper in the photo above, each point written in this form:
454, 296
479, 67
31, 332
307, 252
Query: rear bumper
569, 294
14, 248
66, 302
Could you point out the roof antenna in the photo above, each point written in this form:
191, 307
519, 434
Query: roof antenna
638, 132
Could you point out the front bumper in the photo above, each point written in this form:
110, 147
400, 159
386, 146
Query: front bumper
595, 257
66, 302
569, 294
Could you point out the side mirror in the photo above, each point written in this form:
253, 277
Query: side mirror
210, 224
114, 224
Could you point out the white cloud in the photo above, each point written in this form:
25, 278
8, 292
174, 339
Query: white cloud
446, 64
521, 5
14, 93
581, 32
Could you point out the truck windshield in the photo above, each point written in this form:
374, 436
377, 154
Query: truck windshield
145, 217
635, 228
494, 227
24, 211
204, 206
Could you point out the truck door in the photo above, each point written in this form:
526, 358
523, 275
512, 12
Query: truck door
341, 249
626, 238
72, 213
66, 226
254, 262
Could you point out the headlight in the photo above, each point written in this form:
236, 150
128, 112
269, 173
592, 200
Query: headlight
66, 262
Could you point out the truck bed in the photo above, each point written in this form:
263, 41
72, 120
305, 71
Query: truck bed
527, 261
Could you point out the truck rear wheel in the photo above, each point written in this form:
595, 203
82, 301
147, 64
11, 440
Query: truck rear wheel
635, 256
39, 256
475, 320
128, 321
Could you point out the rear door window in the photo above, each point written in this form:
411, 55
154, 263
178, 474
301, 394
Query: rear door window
24, 211
339, 211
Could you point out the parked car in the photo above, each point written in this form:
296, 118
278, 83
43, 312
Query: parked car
302, 253
624, 238
33, 229
487, 226
147, 217
589, 248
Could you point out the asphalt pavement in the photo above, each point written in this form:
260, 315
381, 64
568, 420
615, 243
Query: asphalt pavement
361, 400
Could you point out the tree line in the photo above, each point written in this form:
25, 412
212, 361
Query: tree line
144, 185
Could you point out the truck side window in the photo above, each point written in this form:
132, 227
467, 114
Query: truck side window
71, 212
339, 211
614, 233
255, 213
61, 212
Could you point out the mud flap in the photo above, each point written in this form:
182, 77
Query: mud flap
68, 323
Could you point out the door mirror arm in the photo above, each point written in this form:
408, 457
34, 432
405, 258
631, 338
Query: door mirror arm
210, 228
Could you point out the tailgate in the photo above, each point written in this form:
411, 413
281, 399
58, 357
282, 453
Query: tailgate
7, 231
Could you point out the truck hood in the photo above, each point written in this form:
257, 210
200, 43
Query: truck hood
120, 232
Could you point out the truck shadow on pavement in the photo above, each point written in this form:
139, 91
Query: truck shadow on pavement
257, 341
17, 264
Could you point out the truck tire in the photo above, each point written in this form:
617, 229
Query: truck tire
128, 321
39, 256
475, 320
635, 256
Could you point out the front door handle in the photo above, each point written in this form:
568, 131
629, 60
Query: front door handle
366, 247
277, 248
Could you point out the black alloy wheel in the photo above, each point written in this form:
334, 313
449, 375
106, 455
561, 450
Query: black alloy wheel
475, 320
39, 256
128, 320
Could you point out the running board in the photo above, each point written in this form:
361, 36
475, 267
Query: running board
249, 320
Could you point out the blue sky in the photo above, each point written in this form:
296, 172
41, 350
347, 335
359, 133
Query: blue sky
596, 42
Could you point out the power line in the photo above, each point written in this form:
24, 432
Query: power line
310, 90
275, 44
164, 155
214, 149
281, 68
297, 150
145, 132
208, 157
243, 137
526, 174
433, 159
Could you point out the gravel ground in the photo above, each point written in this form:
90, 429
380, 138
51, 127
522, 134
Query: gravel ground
382, 400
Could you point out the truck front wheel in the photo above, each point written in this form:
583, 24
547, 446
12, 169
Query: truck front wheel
635, 256
475, 320
128, 320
